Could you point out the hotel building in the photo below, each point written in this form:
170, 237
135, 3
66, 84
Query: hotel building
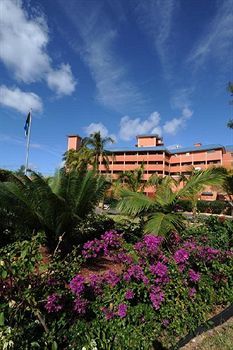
157, 159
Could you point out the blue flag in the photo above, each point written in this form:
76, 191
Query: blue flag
27, 124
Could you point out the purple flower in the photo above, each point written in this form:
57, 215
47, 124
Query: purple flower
95, 282
124, 258
122, 310
52, 304
159, 269
111, 278
156, 297
192, 292
181, 256
136, 272
165, 322
77, 284
149, 246
109, 314
80, 305
208, 253
152, 243
129, 294
194, 276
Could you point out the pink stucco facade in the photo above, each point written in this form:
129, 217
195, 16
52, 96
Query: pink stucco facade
156, 158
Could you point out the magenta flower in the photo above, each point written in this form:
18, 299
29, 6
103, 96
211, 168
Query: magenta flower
77, 284
80, 305
194, 276
156, 297
52, 304
192, 292
181, 256
122, 310
135, 272
111, 278
95, 282
165, 322
159, 269
129, 294
109, 314
152, 243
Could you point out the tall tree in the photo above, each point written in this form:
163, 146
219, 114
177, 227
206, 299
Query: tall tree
77, 160
98, 152
133, 180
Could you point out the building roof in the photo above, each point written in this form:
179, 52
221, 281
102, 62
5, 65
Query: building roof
148, 135
229, 148
174, 151
139, 149
196, 148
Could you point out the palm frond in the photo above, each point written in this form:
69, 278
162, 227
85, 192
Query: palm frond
161, 223
134, 203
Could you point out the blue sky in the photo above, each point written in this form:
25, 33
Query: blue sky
121, 67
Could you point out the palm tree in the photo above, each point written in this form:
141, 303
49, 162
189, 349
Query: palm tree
77, 159
159, 210
228, 188
54, 207
97, 146
133, 180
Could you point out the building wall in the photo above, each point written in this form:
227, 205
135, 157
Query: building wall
162, 162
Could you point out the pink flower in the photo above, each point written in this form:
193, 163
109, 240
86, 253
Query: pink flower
80, 305
77, 284
159, 269
194, 276
181, 256
122, 310
52, 304
129, 294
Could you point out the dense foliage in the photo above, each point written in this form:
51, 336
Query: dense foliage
55, 206
153, 291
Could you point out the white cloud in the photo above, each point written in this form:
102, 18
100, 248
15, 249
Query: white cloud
174, 125
216, 41
20, 100
131, 127
95, 127
96, 46
23, 43
61, 80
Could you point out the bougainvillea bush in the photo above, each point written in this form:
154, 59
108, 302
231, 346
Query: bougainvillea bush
153, 293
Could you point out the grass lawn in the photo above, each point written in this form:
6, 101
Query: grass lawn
220, 338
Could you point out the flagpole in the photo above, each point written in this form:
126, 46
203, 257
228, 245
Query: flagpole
28, 143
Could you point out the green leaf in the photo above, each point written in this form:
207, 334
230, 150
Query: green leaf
1, 319
54, 345
4, 274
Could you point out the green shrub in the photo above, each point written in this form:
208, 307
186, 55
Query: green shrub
174, 284
214, 207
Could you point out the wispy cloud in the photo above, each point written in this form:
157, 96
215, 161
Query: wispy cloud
216, 42
97, 47
174, 125
20, 100
20, 141
23, 42
156, 18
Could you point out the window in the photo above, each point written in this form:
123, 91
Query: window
187, 154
